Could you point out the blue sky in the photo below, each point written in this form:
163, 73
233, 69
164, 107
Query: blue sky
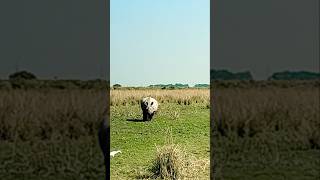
159, 42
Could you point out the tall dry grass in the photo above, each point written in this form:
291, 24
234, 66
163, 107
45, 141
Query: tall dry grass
252, 112
50, 114
180, 96
264, 128
51, 134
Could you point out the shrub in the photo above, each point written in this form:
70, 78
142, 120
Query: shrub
116, 86
22, 75
170, 162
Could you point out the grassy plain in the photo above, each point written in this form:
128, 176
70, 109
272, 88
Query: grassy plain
185, 112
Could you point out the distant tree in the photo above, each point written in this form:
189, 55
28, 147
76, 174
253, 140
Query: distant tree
226, 75
202, 86
116, 86
221, 75
22, 75
179, 85
290, 75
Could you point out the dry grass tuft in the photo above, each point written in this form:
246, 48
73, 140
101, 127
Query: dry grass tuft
172, 162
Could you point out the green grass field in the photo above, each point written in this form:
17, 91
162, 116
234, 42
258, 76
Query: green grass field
137, 140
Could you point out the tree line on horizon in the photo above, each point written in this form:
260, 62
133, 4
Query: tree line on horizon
246, 75
27, 80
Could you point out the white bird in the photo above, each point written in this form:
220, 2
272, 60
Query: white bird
113, 153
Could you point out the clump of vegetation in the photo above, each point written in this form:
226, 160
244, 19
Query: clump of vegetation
202, 86
173, 162
22, 75
226, 75
116, 86
170, 163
